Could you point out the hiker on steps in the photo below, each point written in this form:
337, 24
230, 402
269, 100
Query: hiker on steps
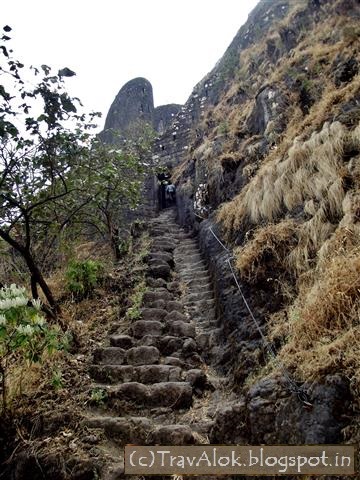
170, 194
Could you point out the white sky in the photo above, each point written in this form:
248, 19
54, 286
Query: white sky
109, 42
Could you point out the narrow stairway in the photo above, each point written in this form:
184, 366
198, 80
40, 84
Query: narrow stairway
160, 390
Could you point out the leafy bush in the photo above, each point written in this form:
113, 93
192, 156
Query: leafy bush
24, 333
124, 246
82, 277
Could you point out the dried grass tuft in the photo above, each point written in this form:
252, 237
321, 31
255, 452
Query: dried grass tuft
267, 250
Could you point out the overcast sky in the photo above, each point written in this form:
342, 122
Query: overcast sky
108, 42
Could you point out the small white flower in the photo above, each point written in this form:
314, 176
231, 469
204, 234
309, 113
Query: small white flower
20, 302
36, 304
2, 320
39, 321
25, 330
16, 291
5, 304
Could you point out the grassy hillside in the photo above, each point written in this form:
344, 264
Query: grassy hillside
280, 156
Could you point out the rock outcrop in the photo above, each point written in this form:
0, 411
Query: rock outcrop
133, 105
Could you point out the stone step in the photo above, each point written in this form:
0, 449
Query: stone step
175, 316
205, 317
163, 256
122, 429
195, 278
109, 355
181, 329
190, 258
141, 328
156, 294
146, 374
199, 304
172, 435
160, 230
141, 430
121, 341
169, 344
188, 273
164, 240
142, 355
189, 264
176, 395
200, 295
180, 251
199, 286
153, 314
191, 241
166, 246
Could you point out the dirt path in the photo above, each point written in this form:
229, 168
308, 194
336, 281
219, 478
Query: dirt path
161, 388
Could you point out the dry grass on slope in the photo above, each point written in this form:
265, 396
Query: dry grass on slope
307, 211
321, 330
311, 177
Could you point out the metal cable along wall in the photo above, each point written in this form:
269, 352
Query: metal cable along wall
293, 387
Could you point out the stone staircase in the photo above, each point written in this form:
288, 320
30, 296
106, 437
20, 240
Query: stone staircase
159, 386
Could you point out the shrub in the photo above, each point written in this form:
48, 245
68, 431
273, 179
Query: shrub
24, 333
98, 396
82, 277
133, 312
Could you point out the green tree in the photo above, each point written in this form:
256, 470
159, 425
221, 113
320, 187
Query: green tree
37, 151
53, 175
119, 175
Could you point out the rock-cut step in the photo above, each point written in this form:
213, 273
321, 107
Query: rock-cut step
142, 355
141, 431
147, 374
135, 395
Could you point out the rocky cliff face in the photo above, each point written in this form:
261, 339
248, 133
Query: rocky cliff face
270, 159
266, 153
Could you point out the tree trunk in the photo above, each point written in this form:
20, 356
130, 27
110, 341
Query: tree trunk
3, 387
38, 279
34, 290
115, 246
